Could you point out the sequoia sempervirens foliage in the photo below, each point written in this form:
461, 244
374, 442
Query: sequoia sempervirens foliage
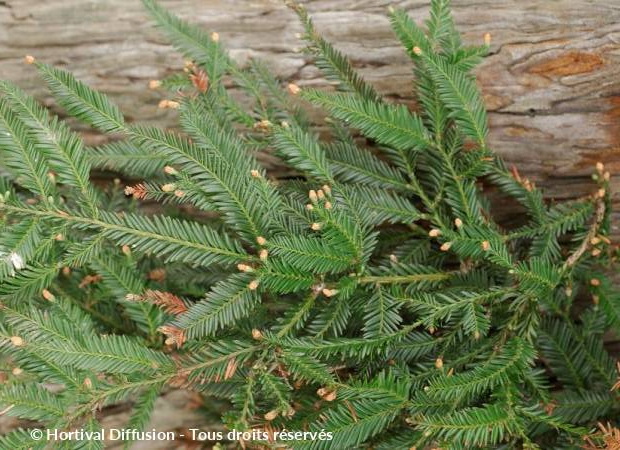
372, 294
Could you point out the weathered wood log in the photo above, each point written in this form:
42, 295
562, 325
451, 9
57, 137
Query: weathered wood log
551, 81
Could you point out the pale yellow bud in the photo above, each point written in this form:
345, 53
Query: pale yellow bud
487, 39
600, 167
29, 59
293, 89
595, 240
256, 334
47, 295
126, 250
255, 173
309, 207
17, 371
179, 193
417, 50
215, 37
315, 226
393, 258
486, 246
169, 170
328, 205
313, 196
326, 189
271, 415
253, 285
606, 176
261, 240
154, 84
439, 363
458, 222
88, 384
17, 341
445, 246
169, 187
601, 193
263, 254
329, 292
434, 232
320, 194
476, 335
244, 268
596, 252
595, 282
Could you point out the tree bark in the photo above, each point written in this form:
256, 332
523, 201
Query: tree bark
551, 81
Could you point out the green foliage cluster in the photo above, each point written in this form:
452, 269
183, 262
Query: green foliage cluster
372, 294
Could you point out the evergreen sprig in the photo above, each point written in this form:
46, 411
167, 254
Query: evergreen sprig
370, 293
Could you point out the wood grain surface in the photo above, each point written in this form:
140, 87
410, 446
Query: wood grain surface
552, 81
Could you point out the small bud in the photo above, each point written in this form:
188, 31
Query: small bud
179, 193
169, 104
126, 250
215, 37
595, 240
328, 205
320, 194
329, 395
568, 291
47, 295
595, 282
486, 246
263, 254
434, 232
263, 125
88, 384
439, 363
59, 237
66, 271
253, 285
596, 252
256, 334
487, 39
255, 173
601, 193
393, 258
245, 268
600, 167
431, 330
271, 415
326, 189
309, 207
596, 299
154, 84
476, 335
315, 226
313, 196
29, 59
169, 170
17, 341
52, 176
129, 190
606, 176
17, 371
284, 124
293, 88
329, 292
261, 240
417, 50
445, 246
169, 187
458, 222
